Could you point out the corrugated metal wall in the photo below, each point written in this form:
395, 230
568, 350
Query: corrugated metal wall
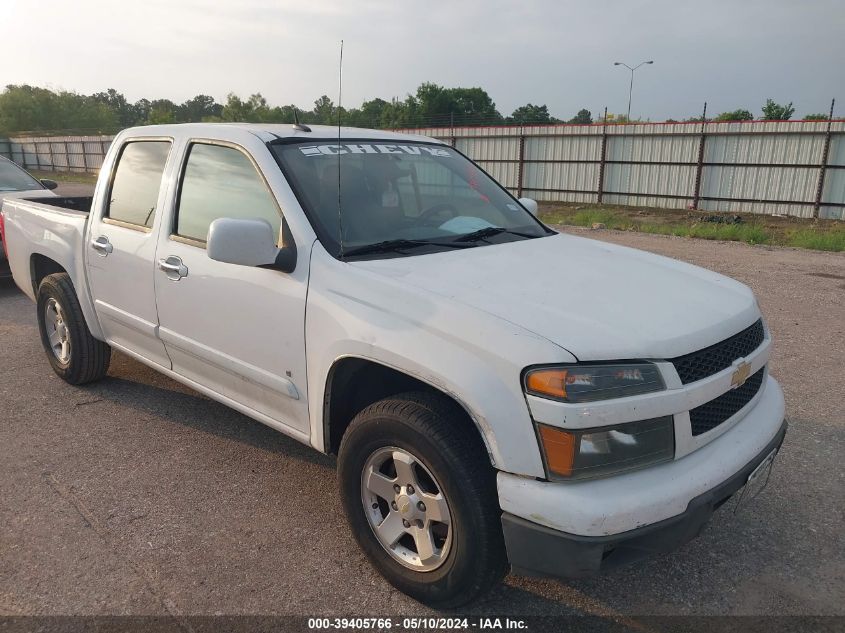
759, 166
57, 153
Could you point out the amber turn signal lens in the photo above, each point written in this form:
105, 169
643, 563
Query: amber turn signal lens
550, 382
559, 447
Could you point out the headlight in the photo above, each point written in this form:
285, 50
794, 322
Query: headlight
583, 454
588, 383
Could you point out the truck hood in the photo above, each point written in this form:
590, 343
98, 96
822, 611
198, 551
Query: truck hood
599, 301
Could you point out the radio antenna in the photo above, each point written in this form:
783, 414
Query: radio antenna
339, 152
296, 124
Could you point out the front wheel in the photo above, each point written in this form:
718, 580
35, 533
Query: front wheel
75, 355
420, 495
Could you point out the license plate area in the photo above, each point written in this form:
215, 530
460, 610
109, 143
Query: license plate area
757, 480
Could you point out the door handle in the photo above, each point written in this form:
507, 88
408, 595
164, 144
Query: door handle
173, 268
102, 246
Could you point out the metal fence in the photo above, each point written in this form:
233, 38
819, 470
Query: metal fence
786, 167
57, 153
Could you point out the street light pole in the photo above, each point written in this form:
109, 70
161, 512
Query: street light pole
631, 87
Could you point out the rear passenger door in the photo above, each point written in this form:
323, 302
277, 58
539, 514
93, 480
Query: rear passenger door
122, 245
236, 330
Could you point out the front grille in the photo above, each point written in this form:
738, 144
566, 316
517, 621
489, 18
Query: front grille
710, 360
711, 414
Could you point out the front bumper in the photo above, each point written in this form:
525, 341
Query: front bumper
538, 550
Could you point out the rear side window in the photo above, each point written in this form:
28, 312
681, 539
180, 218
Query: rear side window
222, 182
13, 178
137, 180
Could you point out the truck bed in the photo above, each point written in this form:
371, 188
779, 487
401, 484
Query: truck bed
74, 203
46, 232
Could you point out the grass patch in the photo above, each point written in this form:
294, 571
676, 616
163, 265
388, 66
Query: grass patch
66, 176
752, 234
592, 216
833, 240
827, 235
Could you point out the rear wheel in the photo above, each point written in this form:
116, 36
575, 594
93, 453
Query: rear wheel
75, 355
420, 494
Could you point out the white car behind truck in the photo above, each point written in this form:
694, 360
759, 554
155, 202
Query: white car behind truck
498, 394
15, 182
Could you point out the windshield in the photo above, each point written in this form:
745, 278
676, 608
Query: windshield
13, 178
407, 198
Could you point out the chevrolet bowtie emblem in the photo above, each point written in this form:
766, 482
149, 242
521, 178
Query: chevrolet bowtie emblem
740, 374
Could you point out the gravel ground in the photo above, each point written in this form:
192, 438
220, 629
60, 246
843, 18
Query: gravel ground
139, 496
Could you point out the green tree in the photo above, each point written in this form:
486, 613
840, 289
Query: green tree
324, 112
285, 114
735, 115
234, 109
162, 111
399, 114
474, 105
23, 108
27, 108
257, 104
370, 114
816, 117
777, 112
584, 117
200, 108
114, 100
141, 110
253, 110
530, 113
436, 105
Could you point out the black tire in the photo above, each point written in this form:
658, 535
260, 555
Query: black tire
435, 430
88, 358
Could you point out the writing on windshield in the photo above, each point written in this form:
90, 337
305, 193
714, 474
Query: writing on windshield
366, 148
393, 190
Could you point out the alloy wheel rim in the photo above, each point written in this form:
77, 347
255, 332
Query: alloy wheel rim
406, 509
57, 331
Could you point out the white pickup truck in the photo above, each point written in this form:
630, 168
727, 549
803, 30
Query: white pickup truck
498, 394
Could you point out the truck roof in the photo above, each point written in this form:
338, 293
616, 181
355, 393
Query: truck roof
272, 131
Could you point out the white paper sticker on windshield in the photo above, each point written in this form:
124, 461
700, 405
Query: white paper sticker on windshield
390, 198
380, 148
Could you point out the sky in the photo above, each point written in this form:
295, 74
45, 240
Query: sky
732, 54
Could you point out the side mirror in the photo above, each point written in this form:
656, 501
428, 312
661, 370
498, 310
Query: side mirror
50, 184
250, 243
530, 205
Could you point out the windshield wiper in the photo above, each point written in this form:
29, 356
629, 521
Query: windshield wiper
489, 231
397, 245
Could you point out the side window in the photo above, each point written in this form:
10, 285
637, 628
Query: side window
221, 182
137, 180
